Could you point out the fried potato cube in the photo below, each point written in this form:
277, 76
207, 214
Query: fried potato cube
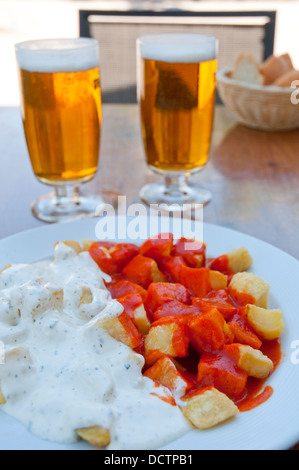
134, 307
208, 332
171, 266
239, 260
97, 436
220, 370
175, 307
218, 280
5, 267
122, 329
157, 247
252, 285
243, 332
141, 320
160, 293
234, 261
168, 335
192, 251
50, 297
2, 398
86, 295
86, 244
143, 270
102, 256
200, 281
267, 323
251, 360
71, 244
121, 287
208, 407
168, 374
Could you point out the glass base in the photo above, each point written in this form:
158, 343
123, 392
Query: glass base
174, 194
63, 205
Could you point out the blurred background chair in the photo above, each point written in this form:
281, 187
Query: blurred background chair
117, 31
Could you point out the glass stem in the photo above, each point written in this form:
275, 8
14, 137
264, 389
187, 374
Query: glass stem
175, 186
67, 194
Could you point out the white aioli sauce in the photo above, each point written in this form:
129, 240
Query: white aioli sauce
61, 372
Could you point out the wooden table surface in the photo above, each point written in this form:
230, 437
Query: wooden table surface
253, 175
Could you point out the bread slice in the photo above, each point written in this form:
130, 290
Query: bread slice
247, 69
276, 66
287, 79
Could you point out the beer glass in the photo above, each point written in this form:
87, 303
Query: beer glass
176, 91
61, 112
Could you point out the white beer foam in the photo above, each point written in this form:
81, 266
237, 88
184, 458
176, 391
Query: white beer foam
180, 48
58, 55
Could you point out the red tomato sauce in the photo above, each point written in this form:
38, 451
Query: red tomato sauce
255, 394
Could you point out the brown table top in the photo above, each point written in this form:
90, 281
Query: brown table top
253, 175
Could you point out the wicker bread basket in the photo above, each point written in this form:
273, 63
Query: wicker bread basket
261, 107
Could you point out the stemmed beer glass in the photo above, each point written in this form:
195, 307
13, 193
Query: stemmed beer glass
61, 111
176, 91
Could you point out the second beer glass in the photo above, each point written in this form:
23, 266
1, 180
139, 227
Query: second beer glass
176, 93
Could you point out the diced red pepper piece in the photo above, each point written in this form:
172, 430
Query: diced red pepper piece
243, 332
122, 287
220, 370
158, 246
192, 251
112, 257
143, 270
160, 293
171, 265
208, 332
175, 308
200, 281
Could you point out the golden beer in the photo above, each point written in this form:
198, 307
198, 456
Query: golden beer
176, 96
61, 110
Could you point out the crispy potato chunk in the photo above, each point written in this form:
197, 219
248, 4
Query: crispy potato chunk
5, 267
134, 307
141, 320
86, 244
253, 285
86, 295
2, 398
167, 373
208, 408
251, 360
239, 260
51, 300
160, 338
166, 336
122, 329
72, 244
218, 280
97, 436
267, 323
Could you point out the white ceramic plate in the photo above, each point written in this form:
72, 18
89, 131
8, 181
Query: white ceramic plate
272, 425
